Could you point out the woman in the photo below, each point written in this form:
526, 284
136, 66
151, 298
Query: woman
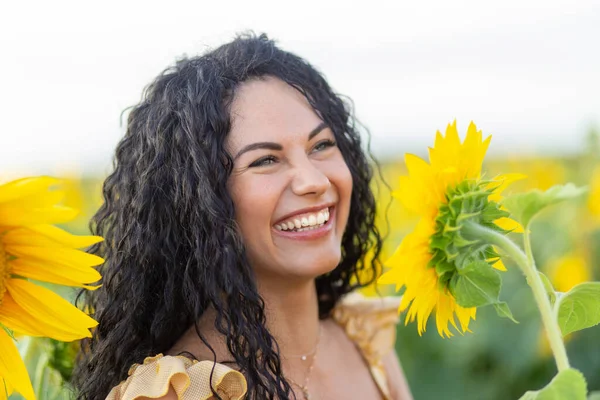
238, 216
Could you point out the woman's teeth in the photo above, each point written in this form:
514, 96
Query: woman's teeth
305, 223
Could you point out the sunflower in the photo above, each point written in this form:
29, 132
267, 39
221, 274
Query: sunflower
32, 248
445, 192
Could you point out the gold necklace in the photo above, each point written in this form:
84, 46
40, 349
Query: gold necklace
304, 387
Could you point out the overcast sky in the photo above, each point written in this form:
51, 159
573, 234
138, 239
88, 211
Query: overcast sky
528, 72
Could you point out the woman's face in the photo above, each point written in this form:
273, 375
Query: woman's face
290, 185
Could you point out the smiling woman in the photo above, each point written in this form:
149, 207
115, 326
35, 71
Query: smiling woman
237, 224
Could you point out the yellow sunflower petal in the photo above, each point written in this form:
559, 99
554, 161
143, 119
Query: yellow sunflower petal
19, 320
47, 236
12, 368
464, 316
452, 139
16, 216
55, 273
473, 152
393, 276
417, 167
509, 224
25, 187
37, 200
5, 389
502, 182
499, 265
50, 308
56, 256
444, 314
426, 306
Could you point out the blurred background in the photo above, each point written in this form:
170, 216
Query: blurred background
527, 72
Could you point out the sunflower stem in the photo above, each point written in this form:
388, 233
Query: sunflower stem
526, 262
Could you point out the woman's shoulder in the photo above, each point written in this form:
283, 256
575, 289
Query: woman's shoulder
370, 322
189, 379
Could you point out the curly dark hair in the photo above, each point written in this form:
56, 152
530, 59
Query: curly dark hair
172, 246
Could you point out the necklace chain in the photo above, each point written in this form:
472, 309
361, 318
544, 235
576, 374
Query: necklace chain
304, 356
304, 386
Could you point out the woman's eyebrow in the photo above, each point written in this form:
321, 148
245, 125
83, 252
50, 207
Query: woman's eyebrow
259, 145
317, 130
276, 146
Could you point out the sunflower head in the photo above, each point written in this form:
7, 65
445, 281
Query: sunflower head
33, 249
451, 251
438, 262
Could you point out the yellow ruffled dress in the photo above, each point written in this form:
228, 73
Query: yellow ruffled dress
369, 322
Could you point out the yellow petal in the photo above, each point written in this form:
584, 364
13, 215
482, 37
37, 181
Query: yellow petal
410, 195
50, 308
47, 236
12, 368
444, 314
500, 183
37, 200
60, 256
55, 273
25, 187
391, 277
464, 316
417, 167
5, 389
509, 224
17, 216
16, 318
452, 137
499, 265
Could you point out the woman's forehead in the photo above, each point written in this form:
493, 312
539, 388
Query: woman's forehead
268, 109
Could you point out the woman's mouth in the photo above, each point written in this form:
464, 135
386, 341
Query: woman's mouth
307, 226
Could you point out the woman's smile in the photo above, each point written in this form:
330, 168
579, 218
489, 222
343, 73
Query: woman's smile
307, 225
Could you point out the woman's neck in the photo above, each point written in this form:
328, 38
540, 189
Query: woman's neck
292, 313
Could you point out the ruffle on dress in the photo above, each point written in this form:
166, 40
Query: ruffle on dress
189, 378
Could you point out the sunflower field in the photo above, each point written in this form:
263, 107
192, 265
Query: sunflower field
493, 359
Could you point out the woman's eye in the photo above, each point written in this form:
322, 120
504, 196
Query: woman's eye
324, 145
263, 161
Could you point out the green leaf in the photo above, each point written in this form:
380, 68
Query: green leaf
524, 206
504, 311
492, 212
476, 284
579, 308
594, 396
569, 384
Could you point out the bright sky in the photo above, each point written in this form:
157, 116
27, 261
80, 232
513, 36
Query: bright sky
528, 72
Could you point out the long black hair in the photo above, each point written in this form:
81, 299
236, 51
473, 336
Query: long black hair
172, 247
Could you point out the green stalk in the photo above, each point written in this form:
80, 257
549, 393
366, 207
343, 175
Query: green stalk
526, 262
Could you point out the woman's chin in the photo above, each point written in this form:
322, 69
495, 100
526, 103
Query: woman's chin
312, 268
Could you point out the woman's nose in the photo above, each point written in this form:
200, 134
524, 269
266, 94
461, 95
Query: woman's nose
309, 179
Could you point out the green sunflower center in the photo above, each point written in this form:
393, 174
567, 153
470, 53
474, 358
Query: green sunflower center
451, 251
